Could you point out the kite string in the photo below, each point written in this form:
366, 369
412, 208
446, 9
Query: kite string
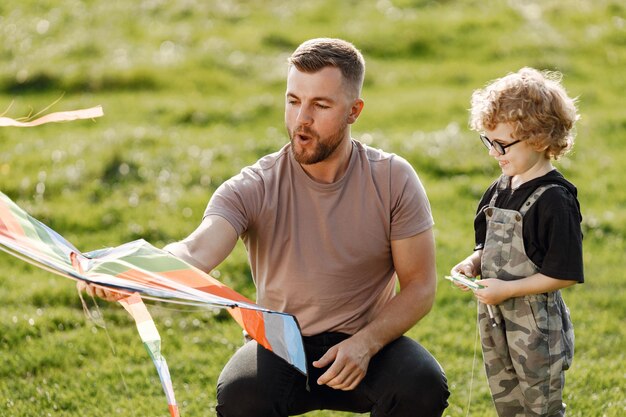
98, 320
469, 399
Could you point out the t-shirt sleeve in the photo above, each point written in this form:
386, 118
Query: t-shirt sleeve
410, 208
480, 221
238, 200
560, 235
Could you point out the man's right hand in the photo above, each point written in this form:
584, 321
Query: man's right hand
100, 292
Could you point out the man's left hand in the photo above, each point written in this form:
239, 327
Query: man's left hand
349, 360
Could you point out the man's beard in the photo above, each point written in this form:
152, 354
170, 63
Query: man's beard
322, 149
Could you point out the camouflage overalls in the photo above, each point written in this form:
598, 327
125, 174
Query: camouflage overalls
532, 344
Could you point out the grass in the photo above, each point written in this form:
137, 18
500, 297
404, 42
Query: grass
193, 91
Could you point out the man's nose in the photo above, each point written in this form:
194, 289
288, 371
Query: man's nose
304, 116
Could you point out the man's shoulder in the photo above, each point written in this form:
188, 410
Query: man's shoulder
373, 154
393, 163
270, 162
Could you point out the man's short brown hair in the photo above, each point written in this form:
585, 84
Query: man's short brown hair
316, 54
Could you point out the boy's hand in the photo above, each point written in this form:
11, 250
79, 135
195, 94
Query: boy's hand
463, 268
470, 267
495, 291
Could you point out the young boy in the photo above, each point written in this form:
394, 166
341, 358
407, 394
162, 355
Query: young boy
528, 242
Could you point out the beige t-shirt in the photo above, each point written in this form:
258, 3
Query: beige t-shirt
322, 252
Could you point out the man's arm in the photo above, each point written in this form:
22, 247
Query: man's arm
414, 261
208, 245
205, 248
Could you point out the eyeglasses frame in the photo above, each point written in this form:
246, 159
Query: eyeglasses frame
500, 148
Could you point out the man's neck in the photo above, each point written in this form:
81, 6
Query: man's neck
332, 168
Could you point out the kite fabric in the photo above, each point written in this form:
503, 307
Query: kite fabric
62, 116
139, 271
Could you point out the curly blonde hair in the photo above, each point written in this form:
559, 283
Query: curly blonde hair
534, 103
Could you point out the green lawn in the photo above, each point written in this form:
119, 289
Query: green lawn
193, 91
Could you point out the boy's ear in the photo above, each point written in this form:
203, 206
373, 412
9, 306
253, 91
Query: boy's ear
539, 147
543, 149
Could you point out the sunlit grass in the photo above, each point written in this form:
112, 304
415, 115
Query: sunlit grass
193, 91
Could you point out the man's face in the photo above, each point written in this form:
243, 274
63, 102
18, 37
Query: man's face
318, 111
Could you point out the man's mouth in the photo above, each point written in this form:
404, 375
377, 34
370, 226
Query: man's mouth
303, 136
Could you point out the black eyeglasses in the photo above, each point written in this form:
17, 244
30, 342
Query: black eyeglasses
500, 148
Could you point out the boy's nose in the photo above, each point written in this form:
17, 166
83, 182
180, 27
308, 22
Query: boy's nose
493, 152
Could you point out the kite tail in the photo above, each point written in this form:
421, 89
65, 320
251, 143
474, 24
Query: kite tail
152, 341
62, 116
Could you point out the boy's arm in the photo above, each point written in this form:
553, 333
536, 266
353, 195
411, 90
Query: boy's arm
496, 290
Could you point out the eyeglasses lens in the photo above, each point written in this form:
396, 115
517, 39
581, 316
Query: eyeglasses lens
489, 144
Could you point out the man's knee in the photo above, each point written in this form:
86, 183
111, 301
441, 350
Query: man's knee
430, 390
239, 398
253, 383
418, 386
424, 390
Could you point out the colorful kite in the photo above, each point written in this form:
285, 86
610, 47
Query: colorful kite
139, 270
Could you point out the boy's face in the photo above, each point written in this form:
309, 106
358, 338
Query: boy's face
519, 160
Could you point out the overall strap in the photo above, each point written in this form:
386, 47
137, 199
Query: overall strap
534, 197
503, 183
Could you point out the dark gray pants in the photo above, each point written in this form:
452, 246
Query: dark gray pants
403, 379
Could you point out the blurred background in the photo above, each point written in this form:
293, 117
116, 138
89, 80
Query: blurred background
193, 90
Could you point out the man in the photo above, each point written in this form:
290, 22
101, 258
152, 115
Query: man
329, 224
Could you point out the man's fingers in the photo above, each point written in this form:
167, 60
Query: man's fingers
330, 374
341, 375
346, 379
326, 359
100, 292
80, 285
352, 382
334, 370
343, 381
89, 289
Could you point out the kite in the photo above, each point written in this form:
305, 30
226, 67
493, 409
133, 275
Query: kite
139, 271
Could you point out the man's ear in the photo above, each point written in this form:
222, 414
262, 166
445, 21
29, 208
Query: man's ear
355, 110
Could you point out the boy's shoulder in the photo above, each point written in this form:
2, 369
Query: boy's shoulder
559, 197
555, 182
555, 185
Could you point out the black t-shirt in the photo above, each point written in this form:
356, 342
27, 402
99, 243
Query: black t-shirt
551, 227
